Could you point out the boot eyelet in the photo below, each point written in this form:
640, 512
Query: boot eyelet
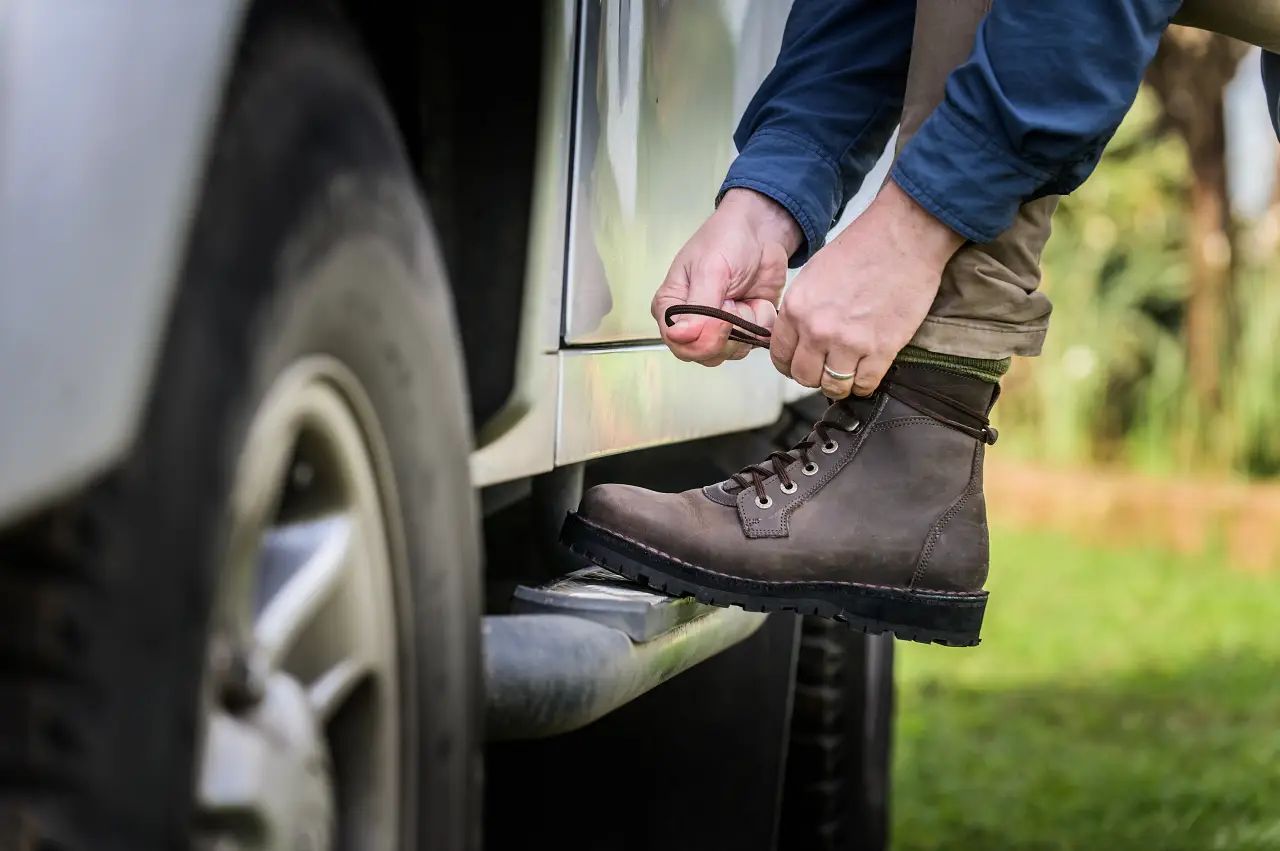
768, 501
810, 469
790, 490
830, 446
857, 424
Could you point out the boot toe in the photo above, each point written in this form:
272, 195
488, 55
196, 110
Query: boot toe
616, 507
674, 524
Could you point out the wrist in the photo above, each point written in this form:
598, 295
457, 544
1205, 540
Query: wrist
910, 224
766, 218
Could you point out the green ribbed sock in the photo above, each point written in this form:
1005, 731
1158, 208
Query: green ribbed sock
989, 371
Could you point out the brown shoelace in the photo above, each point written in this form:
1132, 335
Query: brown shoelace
779, 461
926, 400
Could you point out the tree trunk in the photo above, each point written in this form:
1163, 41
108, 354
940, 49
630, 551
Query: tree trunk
1189, 75
1211, 244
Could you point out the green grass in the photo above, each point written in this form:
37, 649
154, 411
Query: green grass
1119, 700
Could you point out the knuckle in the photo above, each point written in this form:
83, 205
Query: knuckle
815, 327
854, 343
865, 387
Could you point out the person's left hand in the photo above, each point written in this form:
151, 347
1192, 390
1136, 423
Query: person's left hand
860, 299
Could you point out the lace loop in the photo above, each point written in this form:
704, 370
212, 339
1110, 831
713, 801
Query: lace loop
762, 334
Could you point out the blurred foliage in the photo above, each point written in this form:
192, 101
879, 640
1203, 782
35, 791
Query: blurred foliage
1113, 384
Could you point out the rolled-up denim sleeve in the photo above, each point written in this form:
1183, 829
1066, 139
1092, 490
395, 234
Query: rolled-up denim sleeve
820, 120
1030, 112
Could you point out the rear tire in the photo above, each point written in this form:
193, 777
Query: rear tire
835, 792
310, 243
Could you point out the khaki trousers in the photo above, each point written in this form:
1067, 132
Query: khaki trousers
989, 304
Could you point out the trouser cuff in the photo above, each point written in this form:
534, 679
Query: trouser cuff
987, 340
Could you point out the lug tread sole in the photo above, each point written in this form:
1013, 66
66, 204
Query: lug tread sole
837, 601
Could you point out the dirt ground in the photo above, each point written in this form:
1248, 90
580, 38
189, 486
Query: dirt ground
1238, 520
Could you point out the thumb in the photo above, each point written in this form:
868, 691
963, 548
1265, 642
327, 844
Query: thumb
691, 337
709, 283
709, 287
683, 329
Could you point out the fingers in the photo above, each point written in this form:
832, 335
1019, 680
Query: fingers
782, 346
871, 371
758, 310
806, 364
841, 362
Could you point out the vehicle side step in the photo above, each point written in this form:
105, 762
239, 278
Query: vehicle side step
605, 597
583, 645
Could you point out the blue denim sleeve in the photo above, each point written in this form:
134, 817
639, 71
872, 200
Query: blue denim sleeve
1029, 113
821, 118
1271, 80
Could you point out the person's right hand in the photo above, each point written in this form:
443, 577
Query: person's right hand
737, 261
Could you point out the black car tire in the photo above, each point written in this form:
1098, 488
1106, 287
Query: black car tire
836, 786
105, 600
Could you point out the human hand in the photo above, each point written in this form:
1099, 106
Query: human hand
860, 299
737, 261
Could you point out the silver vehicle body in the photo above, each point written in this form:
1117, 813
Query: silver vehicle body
106, 113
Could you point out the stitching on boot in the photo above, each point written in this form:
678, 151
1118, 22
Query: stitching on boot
935, 534
675, 560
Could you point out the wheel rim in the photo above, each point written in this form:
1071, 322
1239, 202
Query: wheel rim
302, 731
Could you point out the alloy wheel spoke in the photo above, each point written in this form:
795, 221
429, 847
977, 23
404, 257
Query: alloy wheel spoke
319, 624
302, 679
304, 566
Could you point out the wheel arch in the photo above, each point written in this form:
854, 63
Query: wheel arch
464, 85
101, 161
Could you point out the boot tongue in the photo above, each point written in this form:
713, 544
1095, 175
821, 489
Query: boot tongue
849, 412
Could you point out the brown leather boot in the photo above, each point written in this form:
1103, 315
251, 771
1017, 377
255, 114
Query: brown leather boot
876, 519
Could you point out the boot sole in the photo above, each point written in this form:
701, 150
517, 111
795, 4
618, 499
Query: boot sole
950, 618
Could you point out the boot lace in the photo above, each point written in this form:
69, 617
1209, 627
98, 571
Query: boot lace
926, 400
755, 475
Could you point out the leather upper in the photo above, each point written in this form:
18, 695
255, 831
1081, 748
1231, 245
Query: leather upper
896, 499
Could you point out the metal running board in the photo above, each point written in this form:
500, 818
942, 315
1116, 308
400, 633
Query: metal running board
606, 598
583, 645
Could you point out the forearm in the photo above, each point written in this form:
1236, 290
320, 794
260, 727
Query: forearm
822, 117
1030, 112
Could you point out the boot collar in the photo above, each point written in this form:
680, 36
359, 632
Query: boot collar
956, 401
